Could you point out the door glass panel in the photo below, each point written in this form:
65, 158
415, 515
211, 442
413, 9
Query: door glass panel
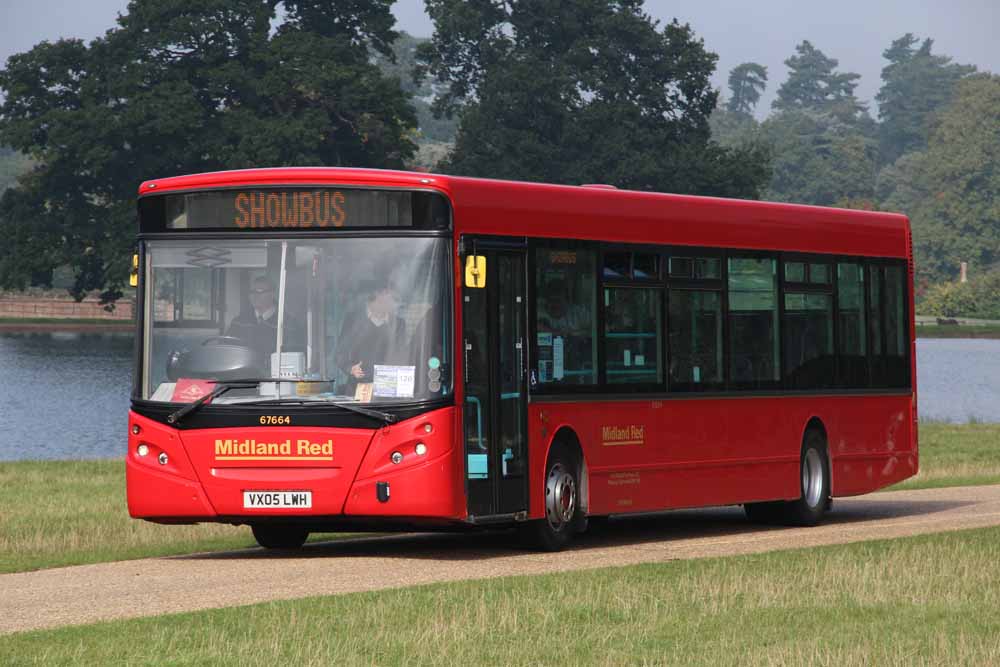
509, 394
477, 385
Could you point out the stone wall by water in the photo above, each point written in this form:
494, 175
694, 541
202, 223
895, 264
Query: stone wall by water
59, 305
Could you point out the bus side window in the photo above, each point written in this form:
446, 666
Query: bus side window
566, 318
695, 331
896, 330
851, 327
753, 322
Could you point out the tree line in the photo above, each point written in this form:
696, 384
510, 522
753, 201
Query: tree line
933, 153
588, 91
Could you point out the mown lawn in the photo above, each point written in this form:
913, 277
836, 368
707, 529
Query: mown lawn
956, 455
931, 600
72, 512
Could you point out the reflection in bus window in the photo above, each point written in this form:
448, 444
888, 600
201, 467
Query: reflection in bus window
753, 321
566, 322
344, 312
851, 327
633, 335
695, 324
808, 330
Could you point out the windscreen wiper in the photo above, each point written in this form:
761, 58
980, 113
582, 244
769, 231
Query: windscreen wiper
384, 417
220, 389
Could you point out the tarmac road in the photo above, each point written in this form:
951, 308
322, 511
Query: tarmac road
89, 593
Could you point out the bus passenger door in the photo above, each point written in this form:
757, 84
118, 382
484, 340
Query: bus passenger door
495, 344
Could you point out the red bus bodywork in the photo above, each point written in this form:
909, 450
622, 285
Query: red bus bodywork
695, 451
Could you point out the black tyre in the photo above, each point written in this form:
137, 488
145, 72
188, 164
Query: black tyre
277, 536
815, 476
563, 516
814, 498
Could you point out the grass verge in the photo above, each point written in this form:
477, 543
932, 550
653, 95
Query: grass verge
963, 331
956, 455
923, 600
55, 513
72, 512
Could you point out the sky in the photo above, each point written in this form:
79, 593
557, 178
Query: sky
855, 32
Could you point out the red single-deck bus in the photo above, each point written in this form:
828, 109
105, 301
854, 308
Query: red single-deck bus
325, 349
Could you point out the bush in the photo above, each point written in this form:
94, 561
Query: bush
979, 298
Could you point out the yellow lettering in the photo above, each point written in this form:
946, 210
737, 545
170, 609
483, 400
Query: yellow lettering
322, 208
257, 209
306, 215
273, 210
289, 210
242, 219
339, 216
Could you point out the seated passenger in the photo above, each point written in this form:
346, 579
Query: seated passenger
370, 336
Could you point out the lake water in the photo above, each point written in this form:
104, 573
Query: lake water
65, 395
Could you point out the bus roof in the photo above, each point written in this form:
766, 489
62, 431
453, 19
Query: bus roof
512, 208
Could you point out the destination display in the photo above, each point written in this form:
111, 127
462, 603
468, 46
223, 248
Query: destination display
293, 209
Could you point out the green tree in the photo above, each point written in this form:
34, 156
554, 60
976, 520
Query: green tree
402, 64
591, 91
813, 84
746, 83
952, 189
182, 86
915, 85
821, 159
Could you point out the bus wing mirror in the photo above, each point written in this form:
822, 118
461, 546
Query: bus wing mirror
133, 276
475, 271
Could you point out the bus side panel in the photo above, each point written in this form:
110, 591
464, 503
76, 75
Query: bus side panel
872, 444
652, 455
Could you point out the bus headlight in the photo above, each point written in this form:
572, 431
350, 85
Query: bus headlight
162, 458
420, 449
396, 457
142, 450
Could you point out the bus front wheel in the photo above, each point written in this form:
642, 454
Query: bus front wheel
277, 536
563, 516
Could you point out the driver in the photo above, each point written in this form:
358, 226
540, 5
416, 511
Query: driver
258, 327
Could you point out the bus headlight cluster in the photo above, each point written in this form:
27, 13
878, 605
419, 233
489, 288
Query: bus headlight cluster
420, 449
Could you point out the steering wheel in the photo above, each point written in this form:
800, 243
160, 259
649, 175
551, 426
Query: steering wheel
225, 340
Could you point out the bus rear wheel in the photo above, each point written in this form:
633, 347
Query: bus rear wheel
814, 498
278, 536
563, 516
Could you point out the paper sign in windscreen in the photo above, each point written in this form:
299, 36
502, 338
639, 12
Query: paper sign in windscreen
394, 381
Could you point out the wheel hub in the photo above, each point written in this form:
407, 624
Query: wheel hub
560, 497
812, 478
